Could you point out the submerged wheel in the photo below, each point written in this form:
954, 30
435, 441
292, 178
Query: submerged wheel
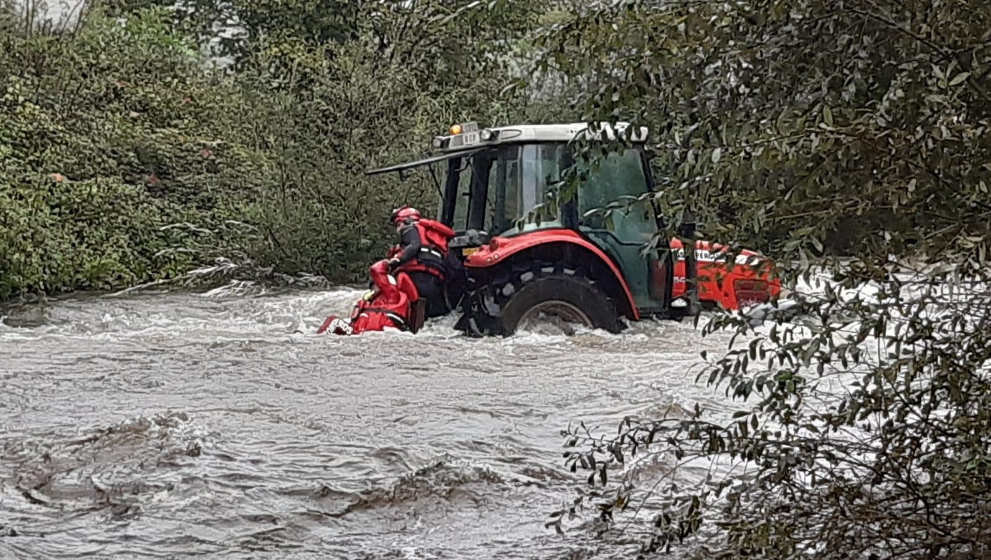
562, 295
560, 310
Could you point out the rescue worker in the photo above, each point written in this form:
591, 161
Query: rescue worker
387, 305
420, 254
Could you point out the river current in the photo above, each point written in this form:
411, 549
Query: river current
218, 425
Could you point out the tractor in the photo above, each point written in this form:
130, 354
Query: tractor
525, 252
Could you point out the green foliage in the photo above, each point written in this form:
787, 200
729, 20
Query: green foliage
813, 115
234, 29
851, 139
261, 162
90, 154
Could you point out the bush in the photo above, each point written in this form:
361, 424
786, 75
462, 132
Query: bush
862, 430
162, 160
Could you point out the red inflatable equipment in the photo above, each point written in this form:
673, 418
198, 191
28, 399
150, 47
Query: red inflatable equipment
392, 304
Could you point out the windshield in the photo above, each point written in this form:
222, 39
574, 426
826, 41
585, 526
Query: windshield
465, 176
504, 202
495, 188
502, 185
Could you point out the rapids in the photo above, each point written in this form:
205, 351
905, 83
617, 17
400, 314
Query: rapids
173, 425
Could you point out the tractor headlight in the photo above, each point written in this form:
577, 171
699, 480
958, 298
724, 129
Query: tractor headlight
486, 134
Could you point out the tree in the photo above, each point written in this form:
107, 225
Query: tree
851, 139
127, 157
233, 29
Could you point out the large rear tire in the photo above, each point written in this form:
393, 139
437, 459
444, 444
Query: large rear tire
558, 293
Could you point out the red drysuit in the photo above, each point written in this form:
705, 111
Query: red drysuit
388, 306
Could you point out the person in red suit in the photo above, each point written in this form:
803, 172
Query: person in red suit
386, 306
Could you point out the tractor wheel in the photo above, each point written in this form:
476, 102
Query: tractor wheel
564, 296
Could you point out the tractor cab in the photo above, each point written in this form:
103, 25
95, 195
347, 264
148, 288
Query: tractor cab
513, 189
529, 246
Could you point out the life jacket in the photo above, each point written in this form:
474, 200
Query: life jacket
435, 234
434, 239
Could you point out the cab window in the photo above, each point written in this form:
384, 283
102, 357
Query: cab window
617, 175
503, 202
462, 198
541, 165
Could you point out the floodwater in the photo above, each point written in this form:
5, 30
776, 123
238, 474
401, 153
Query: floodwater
219, 425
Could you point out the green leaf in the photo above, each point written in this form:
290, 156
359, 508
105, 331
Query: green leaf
959, 79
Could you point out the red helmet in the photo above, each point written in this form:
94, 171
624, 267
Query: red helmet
405, 214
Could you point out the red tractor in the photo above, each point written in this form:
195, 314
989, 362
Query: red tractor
575, 264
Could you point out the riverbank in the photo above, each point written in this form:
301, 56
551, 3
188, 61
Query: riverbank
127, 157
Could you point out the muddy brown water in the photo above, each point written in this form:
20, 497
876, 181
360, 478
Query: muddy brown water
218, 425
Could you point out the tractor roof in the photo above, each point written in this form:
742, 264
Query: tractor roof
466, 139
568, 132
468, 135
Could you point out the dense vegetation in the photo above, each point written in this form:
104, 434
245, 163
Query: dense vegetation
128, 154
812, 129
